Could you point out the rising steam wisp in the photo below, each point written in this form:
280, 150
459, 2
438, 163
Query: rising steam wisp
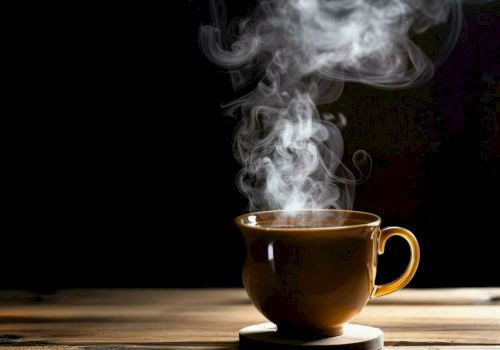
301, 52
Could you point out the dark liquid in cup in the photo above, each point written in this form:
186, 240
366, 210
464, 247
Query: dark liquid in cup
288, 223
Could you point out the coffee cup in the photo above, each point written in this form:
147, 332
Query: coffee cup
312, 271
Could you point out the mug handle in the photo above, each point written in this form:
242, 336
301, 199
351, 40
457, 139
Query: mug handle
403, 280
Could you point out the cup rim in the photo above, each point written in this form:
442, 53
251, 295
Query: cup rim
240, 221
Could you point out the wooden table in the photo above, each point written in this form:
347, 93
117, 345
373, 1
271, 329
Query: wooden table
450, 319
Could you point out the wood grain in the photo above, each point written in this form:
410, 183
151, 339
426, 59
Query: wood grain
211, 318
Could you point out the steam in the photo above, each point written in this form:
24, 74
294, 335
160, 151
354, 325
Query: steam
301, 52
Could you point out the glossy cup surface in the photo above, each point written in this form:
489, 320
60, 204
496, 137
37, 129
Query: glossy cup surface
311, 273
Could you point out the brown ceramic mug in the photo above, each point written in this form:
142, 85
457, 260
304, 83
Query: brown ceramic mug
313, 271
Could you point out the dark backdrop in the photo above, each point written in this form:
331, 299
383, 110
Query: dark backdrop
120, 169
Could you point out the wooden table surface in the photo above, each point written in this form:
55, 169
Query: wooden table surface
453, 319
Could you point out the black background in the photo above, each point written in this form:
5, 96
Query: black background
120, 170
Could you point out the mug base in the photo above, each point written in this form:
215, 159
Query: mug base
266, 336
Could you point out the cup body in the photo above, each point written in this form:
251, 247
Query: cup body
310, 273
